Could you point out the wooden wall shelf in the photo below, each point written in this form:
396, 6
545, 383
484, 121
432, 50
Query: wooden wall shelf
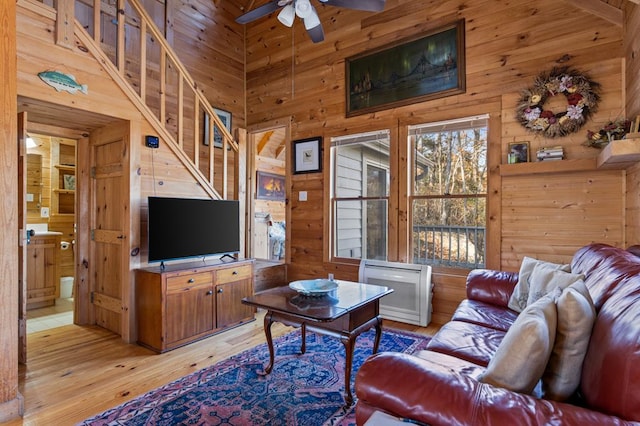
540, 167
620, 154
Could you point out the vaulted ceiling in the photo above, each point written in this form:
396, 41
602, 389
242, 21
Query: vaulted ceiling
272, 143
607, 9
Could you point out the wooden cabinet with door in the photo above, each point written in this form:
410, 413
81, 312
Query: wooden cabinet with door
188, 302
42, 263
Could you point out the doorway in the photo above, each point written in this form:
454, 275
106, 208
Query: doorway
268, 153
50, 206
76, 139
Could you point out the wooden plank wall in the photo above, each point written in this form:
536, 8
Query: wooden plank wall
11, 405
507, 46
160, 170
632, 56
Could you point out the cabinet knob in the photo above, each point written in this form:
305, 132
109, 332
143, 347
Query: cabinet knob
234, 273
191, 280
219, 290
210, 292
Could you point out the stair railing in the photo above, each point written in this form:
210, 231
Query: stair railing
155, 79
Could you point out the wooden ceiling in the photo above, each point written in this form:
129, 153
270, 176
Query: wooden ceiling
247, 5
272, 143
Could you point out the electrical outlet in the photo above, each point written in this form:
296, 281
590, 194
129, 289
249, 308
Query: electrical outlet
44, 212
302, 196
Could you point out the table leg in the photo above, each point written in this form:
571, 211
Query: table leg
376, 341
268, 320
348, 343
303, 347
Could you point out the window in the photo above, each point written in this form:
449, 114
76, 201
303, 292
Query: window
448, 196
360, 195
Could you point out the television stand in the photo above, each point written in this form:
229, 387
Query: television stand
187, 302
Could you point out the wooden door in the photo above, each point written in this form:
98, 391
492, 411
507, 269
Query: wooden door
22, 246
109, 228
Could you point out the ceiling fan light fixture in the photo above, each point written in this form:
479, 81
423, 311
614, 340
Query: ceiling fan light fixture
312, 20
287, 15
303, 8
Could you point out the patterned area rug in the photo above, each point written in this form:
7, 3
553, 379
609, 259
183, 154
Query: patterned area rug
303, 389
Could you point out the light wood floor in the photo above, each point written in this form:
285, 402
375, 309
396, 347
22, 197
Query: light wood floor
74, 372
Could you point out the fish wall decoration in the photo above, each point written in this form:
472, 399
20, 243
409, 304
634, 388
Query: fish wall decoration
63, 82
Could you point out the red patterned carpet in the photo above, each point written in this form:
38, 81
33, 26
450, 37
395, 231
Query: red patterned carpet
303, 389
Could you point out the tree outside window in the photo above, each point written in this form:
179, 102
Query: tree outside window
449, 192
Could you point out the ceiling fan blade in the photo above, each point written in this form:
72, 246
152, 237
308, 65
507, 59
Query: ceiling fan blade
258, 12
367, 5
316, 33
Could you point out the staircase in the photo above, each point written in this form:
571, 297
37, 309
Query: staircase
127, 43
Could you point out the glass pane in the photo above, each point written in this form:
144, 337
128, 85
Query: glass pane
361, 169
361, 229
450, 162
449, 231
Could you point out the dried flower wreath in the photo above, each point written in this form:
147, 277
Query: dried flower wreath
582, 96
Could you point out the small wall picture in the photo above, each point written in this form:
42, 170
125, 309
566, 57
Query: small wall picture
270, 186
518, 152
69, 182
225, 117
307, 155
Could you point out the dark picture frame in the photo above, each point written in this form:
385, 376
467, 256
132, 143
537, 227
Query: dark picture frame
270, 186
225, 117
307, 155
413, 70
518, 152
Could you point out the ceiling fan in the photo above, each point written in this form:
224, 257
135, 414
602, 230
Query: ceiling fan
304, 10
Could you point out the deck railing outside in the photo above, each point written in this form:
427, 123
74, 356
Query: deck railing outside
452, 246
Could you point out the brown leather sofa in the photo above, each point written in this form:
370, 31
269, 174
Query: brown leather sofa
440, 386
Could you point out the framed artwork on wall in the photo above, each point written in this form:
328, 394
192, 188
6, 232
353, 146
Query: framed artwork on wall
270, 186
518, 152
225, 117
307, 155
413, 70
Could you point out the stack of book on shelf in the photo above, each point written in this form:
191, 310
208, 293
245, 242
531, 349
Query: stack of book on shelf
550, 153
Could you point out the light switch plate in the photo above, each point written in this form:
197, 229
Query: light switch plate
302, 196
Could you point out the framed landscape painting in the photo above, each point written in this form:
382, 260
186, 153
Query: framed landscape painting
414, 70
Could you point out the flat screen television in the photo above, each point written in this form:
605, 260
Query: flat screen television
181, 228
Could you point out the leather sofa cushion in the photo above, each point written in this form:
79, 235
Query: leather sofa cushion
470, 342
481, 313
610, 374
454, 364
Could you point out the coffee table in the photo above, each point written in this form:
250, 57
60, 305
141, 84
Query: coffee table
344, 313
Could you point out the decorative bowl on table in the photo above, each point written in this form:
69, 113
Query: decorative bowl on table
317, 287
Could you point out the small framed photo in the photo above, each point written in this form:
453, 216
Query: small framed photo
518, 152
69, 182
307, 155
225, 117
270, 186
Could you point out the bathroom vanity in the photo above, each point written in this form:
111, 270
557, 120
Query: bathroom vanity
42, 269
